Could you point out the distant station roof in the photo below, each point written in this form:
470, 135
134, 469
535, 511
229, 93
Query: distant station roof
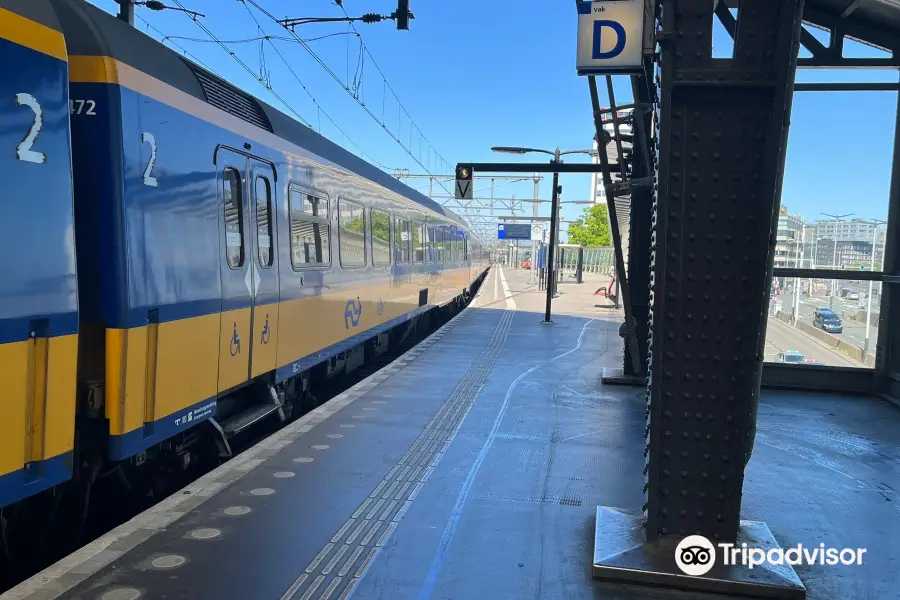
875, 15
875, 22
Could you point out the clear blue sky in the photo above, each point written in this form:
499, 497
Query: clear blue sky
474, 74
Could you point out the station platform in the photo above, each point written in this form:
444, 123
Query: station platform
471, 468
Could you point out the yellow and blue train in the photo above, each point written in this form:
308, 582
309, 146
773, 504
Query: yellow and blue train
170, 242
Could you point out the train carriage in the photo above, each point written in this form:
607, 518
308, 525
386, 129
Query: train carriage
38, 295
223, 250
236, 244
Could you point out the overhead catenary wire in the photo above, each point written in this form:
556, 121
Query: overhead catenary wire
354, 88
262, 79
387, 84
184, 50
320, 111
347, 88
245, 40
245, 66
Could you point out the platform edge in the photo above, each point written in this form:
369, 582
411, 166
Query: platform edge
70, 571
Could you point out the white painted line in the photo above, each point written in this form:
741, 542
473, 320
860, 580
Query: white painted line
315, 563
510, 303
312, 589
293, 589
496, 282
342, 531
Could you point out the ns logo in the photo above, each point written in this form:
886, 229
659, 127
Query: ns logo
352, 313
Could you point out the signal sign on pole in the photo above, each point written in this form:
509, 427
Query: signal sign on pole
463, 182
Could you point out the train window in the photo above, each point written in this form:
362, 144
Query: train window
234, 218
381, 238
441, 245
401, 240
454, 245
264, 221
445, 244
352, 233
418, 241
310, 229
430, 244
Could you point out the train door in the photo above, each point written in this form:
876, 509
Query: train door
264, 311
236, 268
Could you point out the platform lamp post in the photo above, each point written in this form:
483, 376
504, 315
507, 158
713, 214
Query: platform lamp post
554, 212
875, 223
837, 219
532, 279
798, 263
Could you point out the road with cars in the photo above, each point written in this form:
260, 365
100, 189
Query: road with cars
854, 331
781, 337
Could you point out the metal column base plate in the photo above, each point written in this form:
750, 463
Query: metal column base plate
622, 555
618, 377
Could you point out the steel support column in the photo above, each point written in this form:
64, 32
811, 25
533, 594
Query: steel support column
641, 219
723, 127
621, 275
887, 356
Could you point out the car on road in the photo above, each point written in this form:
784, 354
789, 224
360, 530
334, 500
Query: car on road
827, 320
852, 296
526, 264
795, 357
791, 356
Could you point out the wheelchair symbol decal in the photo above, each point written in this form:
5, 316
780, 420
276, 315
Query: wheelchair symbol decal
264, 337
352, 313
235, 346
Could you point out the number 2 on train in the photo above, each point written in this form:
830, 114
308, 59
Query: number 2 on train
24, 151
148, 138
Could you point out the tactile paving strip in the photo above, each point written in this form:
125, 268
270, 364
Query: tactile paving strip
338, 567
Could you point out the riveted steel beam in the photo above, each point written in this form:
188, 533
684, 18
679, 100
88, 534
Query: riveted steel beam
722, 138
722, 127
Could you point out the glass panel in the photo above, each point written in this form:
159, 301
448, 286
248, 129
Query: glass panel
309, 235
234, 219
317, 207
401, 240
430, 243
381, 238
418, 241
263, 221
830, 322
454, 244
352, 233
438, 244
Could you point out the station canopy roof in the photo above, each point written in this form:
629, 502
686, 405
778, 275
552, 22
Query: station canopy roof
880, 16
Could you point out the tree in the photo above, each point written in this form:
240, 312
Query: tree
592, 228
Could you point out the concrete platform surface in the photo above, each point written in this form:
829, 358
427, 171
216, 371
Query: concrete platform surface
472, 468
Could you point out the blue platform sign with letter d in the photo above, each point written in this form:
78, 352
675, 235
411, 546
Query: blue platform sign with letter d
610, 36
